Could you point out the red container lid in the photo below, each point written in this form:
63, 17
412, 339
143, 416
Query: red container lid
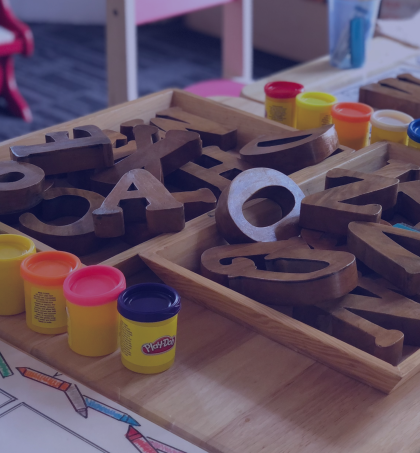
94, 285
352, 112
283, 90
49, 268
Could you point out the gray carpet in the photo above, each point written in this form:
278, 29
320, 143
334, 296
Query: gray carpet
66, 76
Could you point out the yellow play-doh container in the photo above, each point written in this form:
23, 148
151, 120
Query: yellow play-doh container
91, 299
13, 250
44, 275
280, 101
313, 109
413, 133
351, 120
390, 125
148, 327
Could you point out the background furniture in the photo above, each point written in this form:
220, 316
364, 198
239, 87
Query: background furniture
15, 38
124, 15
319, 75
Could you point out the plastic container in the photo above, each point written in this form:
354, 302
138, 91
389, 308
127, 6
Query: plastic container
351, 120
280, 101
351, 27
313, 109
390, 125
13, 250
44, 275
149, 318
91, 299
413, 133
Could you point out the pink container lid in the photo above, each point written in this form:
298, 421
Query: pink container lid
94, 285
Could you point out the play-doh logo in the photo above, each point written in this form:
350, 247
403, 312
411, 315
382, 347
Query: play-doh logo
161, 345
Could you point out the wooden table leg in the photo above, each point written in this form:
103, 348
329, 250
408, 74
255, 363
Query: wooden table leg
121, 42
237, 41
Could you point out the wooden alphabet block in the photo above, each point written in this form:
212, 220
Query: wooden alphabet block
320, 240
196, 202
408, 203
391, 252
127, 128
90, 148
138, 197
211, 133
376, 319
402, 93
21, 186
398, 169
291, 151
214, 169
252, 184
120, 146
60, 207
349, 196
160, 158
281, 273
117, 139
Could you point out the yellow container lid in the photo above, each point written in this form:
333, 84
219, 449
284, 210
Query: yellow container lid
315, 100
391, 120
14, 247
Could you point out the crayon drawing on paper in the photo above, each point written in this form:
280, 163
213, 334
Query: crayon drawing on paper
42, 411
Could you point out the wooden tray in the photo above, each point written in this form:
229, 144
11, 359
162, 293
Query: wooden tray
176, 260
248, 128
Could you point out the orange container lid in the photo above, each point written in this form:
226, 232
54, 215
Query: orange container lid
49, 268
283, 90
352, 112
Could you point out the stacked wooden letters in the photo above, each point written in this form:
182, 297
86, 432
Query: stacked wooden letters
346, 272
352, 295
401, 93
138, 182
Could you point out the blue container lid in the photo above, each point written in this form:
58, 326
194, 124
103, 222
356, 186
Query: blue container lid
149, 302
413, 131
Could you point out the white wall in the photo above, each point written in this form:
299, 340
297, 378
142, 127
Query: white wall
60, 11
295, 29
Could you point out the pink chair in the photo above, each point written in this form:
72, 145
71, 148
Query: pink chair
15, 38
124, 15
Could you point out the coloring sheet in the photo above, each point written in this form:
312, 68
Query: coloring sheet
351, 93
43, 411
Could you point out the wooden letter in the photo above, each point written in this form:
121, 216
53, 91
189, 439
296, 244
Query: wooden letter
258, 183
145, 198
196, 202
214, 169
120, 145
291, 151
402, 93
160, 158
21, 186
408, 203
90, 148
349, 196
398, 169
281, 273
211, 133
376, 319
59, 205
127, 128
391, 252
